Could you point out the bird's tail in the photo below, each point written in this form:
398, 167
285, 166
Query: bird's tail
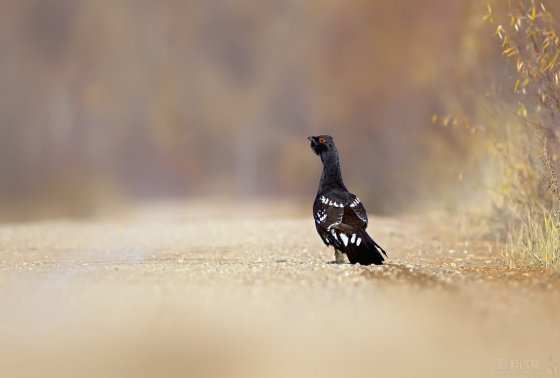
364, 250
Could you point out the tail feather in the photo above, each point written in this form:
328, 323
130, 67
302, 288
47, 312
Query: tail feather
367, 252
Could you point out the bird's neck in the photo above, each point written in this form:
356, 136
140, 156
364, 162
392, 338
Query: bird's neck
332, 176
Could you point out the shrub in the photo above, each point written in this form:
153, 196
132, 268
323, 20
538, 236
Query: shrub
529, 194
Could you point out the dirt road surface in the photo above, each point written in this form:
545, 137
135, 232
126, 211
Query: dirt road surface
161, 294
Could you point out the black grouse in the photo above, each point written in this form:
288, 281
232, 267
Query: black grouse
340, 218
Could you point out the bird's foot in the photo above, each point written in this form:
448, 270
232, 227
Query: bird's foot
338, 257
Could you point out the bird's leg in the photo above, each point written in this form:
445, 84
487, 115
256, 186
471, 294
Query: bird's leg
338, 257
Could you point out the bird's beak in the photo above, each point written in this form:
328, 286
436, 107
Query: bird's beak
310, 138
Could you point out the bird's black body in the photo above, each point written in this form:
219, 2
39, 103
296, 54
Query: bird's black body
340, 218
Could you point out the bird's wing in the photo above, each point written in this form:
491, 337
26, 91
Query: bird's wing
358, 208
327, 212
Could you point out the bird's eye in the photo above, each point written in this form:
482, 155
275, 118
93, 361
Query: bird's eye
322, 140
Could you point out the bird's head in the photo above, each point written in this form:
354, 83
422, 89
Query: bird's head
322, 144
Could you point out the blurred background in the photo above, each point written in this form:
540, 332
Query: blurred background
181, 109
105, 103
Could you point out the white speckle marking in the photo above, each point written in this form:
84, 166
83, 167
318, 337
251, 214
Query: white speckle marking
320, 216
334, 234
344, 239
353, 238
355, 202
358, 241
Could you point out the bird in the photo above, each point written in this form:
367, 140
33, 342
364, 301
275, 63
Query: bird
340, 217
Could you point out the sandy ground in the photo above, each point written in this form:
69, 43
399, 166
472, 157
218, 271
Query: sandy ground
162, 295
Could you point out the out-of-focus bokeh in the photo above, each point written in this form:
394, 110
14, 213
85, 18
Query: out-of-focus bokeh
140, 100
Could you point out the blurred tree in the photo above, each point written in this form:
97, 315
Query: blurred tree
177, 98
